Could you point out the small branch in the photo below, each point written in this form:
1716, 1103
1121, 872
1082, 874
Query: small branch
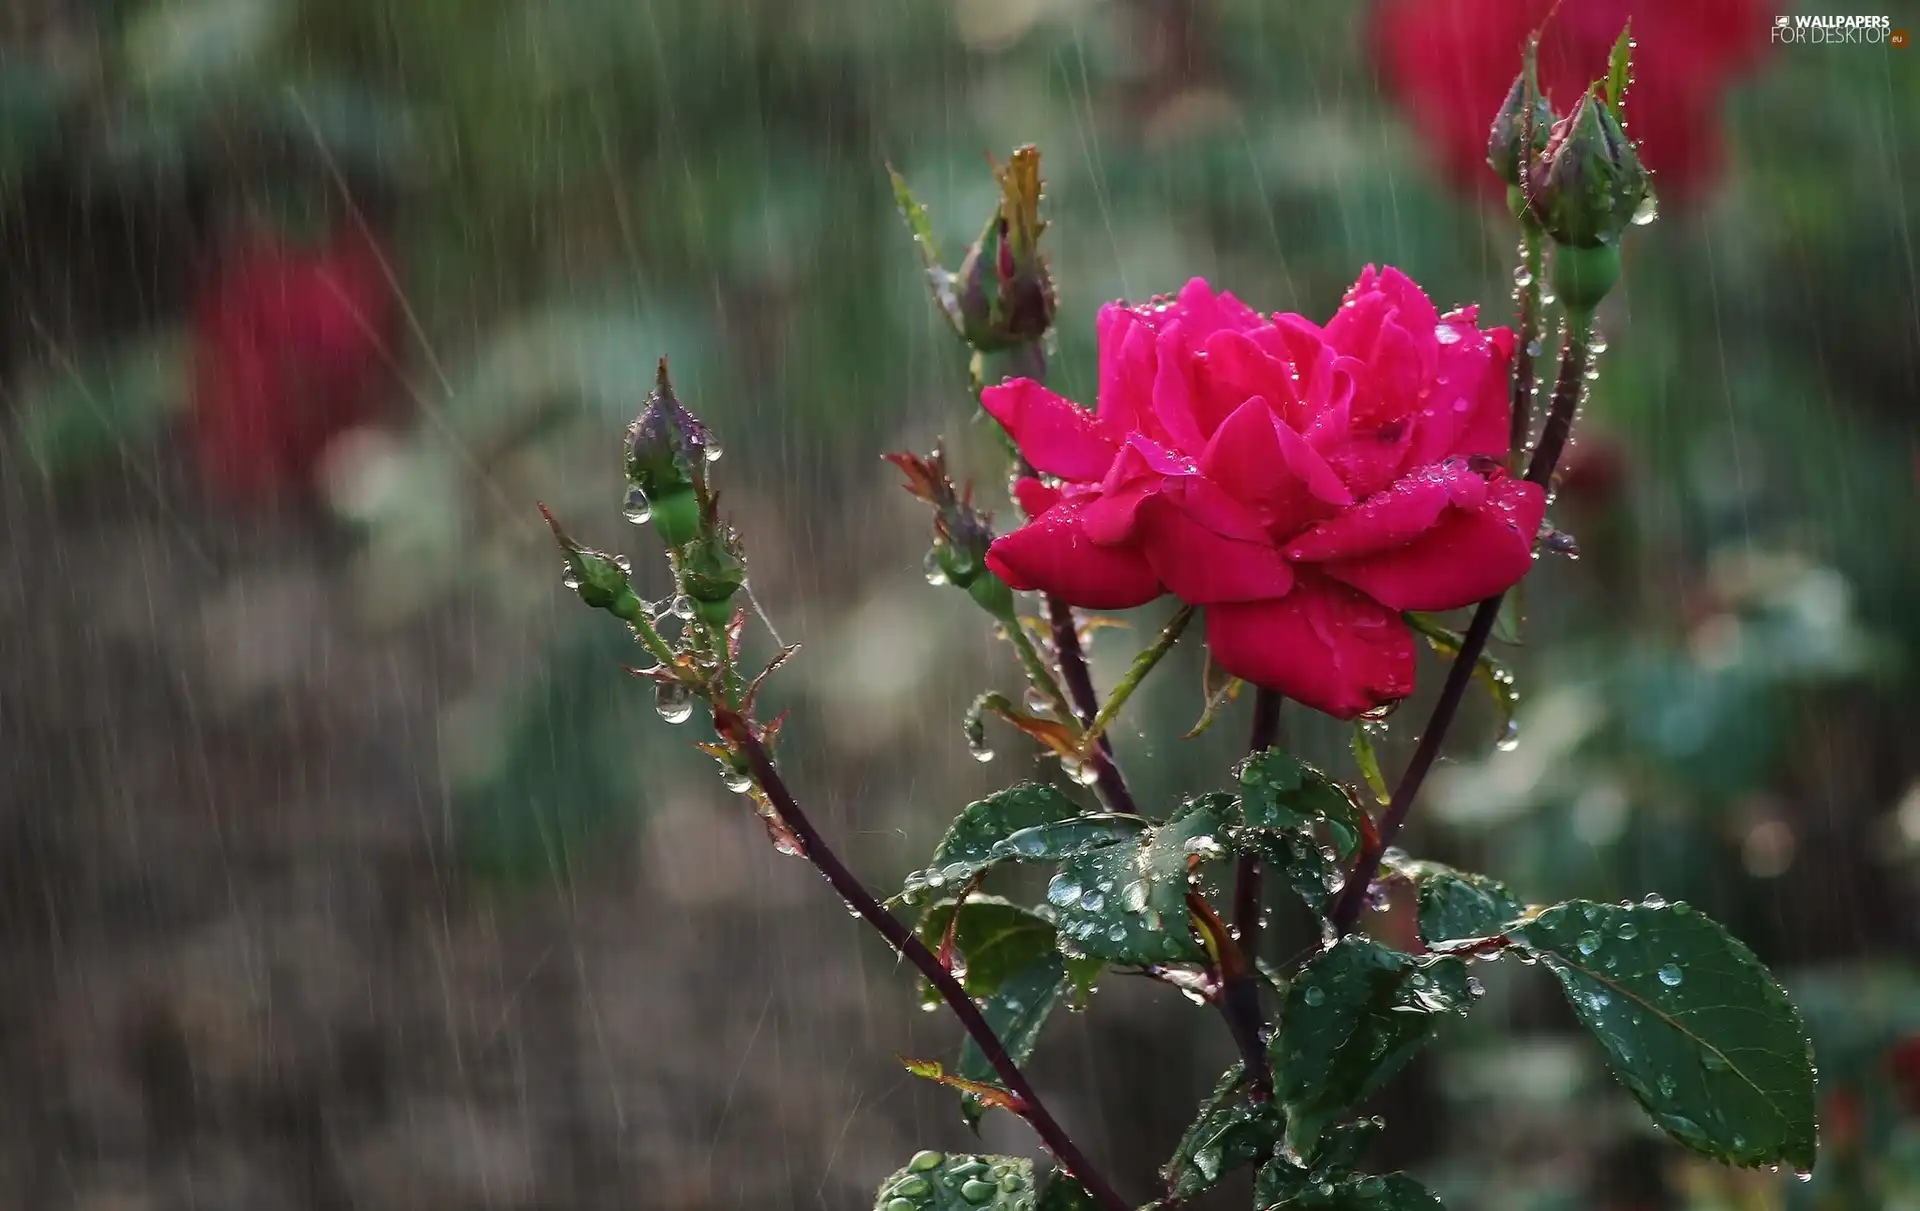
1137, 672
1240, 991
735, 728
1238, 995
1567, 389
1086, 702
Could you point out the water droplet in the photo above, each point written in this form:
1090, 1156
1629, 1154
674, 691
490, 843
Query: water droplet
913, 1187
1475, 988
1522, 277
683, 608
1536, 347
1446, 334
713, 449
569, 577
1647, 211
976, 1191
1116, 933
1010, 1182
1803, 1175
738, 781
935, 572
1628, 931
1063, 892
1671, 975
1653, 902
1509, 737
1092, 901
903, 1204
1314, 995
924, 1160
674, 701
1589, 942
639, 508
1598, 344
1037, 702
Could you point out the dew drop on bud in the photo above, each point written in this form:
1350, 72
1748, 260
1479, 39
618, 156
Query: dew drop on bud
981, 753
936, 573
1509, 737
674, 701
1597, 345
713, 450
1647, 211
569, 577
683, 608
639, 508
737, 781
1036, 702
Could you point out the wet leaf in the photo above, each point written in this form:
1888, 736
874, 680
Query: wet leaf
1065, 1193
1231, 1131
934, 1181
996, 937
1017, 1010
1488, 671
1691, 1022
973, 839
1218, 689
1282, 793
1455, 905
1353, 1017
1620, 72
1127, 902
985, 1092
1282, 1186
1369, 762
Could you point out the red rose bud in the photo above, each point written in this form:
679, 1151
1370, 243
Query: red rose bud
668, 450
601, 580
1004, 293
1592, 182
1510, 143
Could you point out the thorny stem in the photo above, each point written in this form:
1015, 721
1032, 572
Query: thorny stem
1240, 993
636, 617
814, 847
1137, 672
1567, 389
1073, 670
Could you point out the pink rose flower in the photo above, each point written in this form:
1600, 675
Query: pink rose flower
1305, 484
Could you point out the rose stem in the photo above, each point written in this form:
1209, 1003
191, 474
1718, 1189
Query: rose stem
1086, 704
1567, 389
814, 847
1240, 997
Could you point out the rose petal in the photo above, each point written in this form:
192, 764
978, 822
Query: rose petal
1057, 435
1467, 408
1138, 472
1126, 367
1034, 496
1323, 644
1257, 459
1467, 556
1201, 566
1173, 390
1053, 554
1394, 517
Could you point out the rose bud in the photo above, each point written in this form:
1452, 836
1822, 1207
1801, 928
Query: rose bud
601, 580
961, 533
711, 569
1508, 145
1588, 190
1004, 293
667, 453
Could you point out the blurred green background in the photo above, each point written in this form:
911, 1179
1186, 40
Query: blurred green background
340, 865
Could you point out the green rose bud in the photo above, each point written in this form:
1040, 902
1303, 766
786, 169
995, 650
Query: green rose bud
668, 449
601, 580
1592, 182
1508, 145
1003, 291
711, 569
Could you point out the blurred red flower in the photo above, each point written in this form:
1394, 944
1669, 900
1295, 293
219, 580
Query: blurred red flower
290, 351
1451, 62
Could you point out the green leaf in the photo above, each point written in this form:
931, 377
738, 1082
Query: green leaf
1455, 905
1691, 1022
1278, 791
1354, 1016
972, 843
1280, 1185
934, 1181
1487, 670
1018, 1011
1127, 902
939, 279
1307, 865
1620, 72
1369, 763
997, 937
1065, 1193
1232, 1131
